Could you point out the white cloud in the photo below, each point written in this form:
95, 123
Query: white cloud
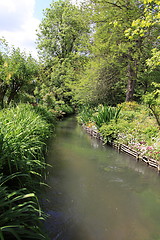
18, 24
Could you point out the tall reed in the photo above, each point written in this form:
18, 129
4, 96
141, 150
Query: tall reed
20, 213
23, 136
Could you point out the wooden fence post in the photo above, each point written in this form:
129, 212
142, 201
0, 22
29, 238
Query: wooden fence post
158, 167
137, 157
119, 148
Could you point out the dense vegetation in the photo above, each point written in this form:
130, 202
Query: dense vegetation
23, 137
100, 52
130, 123
106, 52
102, 57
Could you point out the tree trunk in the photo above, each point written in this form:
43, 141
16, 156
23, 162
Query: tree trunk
156, 115
13, 93
2, 94
131, 82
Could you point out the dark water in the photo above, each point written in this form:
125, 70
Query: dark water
97, 193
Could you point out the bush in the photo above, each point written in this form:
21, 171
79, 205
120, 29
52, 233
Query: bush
109, 132
63, 109
100, 115
85, 114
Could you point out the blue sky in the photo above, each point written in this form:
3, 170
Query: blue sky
19, 20
39, 6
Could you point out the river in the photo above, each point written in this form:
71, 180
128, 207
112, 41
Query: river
97, 193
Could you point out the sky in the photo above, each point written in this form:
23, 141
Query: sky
19, 20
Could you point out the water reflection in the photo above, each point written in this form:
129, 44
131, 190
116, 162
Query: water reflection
98, 194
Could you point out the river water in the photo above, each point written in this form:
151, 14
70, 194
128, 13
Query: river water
96, 193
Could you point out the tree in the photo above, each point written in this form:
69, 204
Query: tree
118, 57
17, 71
119, 61
3, 58
62, 41
147, 28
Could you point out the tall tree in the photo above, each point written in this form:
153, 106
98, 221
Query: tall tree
62, 41
148, 26
115, 18
119, 61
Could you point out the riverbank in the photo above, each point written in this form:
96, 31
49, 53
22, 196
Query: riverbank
24, 133
130, 127
124, 148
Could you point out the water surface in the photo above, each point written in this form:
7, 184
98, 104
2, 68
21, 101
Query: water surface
97, 193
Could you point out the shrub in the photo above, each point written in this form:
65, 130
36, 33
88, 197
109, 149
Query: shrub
46, 114
85, 114
109, 132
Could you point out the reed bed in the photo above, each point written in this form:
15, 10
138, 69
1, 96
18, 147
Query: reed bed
23, 136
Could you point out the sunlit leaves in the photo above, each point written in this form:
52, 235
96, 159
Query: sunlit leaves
17, 71
63, 40
154, 61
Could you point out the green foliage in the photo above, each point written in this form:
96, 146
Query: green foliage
145, 29
105, 114
20, 213
62, 42
109, 132
119, 64
98, 115
138, 129
85, 114
62, 30
152, 99
18, 73
62, 108
46, 114
23, 134
154, 61
135, 127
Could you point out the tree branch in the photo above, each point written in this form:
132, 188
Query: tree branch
114, 4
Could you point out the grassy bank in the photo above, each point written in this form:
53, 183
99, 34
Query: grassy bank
130, 123
23, 135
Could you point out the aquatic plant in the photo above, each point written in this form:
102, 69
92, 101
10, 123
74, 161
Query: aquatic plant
104, 114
